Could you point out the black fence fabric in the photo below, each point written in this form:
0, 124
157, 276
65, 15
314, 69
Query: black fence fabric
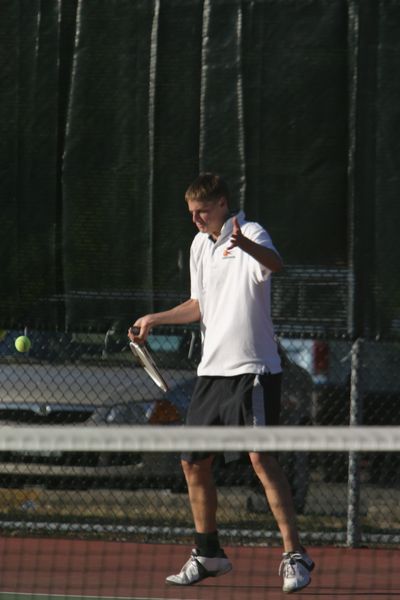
110, 109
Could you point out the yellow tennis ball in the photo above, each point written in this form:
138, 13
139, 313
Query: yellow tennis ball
23, 343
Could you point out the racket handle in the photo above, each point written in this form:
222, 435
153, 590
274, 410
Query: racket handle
135, 330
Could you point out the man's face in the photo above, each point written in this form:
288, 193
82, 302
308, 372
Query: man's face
209, 216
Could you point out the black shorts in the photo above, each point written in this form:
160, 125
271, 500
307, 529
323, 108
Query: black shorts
249, 399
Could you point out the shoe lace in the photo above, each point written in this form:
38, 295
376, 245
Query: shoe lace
192, 559
287, 566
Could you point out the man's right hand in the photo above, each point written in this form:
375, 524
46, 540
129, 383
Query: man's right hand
140, 330
187, 312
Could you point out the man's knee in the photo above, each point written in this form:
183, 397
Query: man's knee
196, 470
264, 462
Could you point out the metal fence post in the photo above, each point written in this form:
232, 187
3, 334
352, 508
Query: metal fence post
356, 416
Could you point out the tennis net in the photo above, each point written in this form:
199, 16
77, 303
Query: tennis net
119, 523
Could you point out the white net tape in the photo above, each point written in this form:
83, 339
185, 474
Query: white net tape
149, 438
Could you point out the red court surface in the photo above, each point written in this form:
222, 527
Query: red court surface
54, 567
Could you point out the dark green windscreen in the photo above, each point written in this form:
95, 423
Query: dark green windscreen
109, 109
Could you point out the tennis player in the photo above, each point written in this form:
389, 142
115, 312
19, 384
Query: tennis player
239, 375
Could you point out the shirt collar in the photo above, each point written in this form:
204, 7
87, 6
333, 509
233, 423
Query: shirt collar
227, 227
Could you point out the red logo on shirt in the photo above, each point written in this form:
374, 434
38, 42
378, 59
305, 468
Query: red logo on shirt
227, 254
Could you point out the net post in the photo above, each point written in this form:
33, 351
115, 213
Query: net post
356, 415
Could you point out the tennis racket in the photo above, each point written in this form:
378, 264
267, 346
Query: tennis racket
145, 360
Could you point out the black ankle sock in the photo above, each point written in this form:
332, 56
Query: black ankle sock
207, 544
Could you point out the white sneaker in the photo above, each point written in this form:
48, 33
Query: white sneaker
295, 569
200, 567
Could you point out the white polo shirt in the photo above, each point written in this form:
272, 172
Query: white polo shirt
233, 290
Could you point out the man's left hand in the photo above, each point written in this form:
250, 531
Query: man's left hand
237, 237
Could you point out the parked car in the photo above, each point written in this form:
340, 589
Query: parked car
329, 363
95, 382
311, 313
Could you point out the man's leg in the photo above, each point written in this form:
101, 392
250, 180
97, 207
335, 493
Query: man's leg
279, 497
296, 565
202, 494
207, 559
203, 502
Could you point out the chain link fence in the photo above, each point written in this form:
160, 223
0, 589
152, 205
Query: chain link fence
90, 378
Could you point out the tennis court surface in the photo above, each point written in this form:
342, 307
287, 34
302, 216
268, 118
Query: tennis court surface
133, 561
43, 567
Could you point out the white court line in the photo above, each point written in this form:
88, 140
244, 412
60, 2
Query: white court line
48, 596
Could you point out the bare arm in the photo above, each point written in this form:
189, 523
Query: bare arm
187, 312
267, 257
